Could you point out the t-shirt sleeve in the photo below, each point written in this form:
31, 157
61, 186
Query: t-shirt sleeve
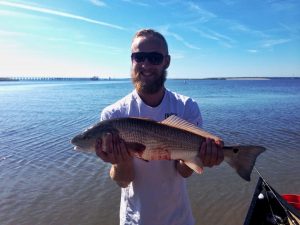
104, 116
192, 113
108, 113
111, 112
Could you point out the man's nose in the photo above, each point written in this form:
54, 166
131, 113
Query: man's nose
146, 63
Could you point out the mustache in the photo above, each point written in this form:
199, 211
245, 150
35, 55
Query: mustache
139, 74
149, 87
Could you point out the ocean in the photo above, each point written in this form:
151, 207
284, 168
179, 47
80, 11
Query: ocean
44, 181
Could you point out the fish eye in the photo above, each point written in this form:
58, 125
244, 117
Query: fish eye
86, 136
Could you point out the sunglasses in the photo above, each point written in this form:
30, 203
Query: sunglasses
155, 58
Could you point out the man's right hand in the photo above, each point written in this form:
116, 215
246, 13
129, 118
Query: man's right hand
112, 149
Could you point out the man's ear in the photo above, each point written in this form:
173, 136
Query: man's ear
167, 61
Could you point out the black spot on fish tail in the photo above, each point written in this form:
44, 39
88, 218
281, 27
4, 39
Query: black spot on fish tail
235, 150
242, 158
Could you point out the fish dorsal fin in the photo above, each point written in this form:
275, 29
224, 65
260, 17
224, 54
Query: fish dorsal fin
174, 121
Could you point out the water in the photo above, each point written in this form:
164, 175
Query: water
44, 181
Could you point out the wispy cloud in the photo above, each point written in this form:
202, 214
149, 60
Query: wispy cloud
165, 31
98, 3
220, 38
177, 55
57, 41
89, 45
61, 14
293, 30
4, 33
271, 43
111, 49
135, 2
287, 5
204, 14
169, 2
267, 38
230, 2
235, 26
9, 13
252, 51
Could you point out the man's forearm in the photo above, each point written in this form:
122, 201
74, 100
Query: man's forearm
122, 173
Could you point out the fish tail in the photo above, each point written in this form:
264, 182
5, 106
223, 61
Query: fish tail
242, 158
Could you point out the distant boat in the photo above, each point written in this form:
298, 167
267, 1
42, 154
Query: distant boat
94, 78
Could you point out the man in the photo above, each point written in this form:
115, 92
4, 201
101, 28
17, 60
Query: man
152, 192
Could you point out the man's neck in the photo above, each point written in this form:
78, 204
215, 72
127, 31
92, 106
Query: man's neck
152, 100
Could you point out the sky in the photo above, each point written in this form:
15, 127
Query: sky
206, 38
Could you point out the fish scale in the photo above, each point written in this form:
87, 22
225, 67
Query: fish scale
160, 140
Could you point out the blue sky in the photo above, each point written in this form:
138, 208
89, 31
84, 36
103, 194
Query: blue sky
207, 38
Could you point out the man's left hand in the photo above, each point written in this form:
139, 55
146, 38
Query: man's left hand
211, 152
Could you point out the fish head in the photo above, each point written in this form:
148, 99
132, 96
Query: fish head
87, 140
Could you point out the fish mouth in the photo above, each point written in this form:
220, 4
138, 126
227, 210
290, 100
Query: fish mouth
77, 148
84, 148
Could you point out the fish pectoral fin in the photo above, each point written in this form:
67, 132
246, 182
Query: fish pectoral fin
195, 164
174, 121
135, 147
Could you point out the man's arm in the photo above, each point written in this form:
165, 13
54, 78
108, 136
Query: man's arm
211, 152
183, 169
112, 149
122, 173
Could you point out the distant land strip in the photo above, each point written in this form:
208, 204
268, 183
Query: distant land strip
236, 78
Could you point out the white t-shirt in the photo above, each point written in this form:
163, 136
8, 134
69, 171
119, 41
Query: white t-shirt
158, 194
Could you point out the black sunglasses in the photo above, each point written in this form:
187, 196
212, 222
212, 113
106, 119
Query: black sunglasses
155, 58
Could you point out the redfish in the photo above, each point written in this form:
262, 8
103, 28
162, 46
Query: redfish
171, 139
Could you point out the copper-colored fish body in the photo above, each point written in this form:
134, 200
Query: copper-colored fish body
171, 139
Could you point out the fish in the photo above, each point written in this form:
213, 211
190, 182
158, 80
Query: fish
171, 139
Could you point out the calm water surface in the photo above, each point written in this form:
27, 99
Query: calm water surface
44, 181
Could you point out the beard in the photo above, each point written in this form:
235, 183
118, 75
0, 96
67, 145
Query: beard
149, 86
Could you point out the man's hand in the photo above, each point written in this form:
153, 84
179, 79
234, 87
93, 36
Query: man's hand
112, 149
211, 152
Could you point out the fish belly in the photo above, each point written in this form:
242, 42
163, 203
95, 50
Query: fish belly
170, 150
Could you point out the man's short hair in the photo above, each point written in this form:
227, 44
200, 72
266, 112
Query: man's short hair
151, 33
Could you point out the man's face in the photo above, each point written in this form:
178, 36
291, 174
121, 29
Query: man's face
149, 63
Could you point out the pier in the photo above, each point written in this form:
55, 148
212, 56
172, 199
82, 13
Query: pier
94, 78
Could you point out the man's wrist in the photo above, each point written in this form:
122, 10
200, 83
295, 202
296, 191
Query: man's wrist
122, 173
183, 169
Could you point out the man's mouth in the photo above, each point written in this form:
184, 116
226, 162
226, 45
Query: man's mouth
146, 74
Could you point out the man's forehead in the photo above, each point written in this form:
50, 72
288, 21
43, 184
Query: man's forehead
148, 43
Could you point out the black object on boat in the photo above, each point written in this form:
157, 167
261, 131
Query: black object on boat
269, 208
